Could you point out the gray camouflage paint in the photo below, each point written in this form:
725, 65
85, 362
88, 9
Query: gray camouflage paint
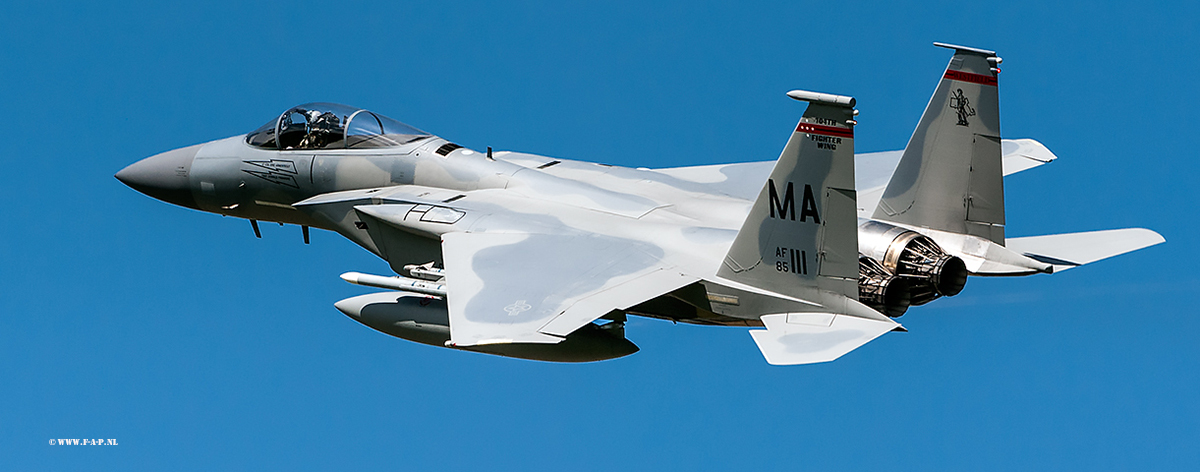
826, 174
575, 214
544, 246
610, 226
957, 137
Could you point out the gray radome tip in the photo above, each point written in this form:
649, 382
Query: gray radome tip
826, 98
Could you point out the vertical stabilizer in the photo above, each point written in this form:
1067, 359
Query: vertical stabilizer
801, 234
950, 177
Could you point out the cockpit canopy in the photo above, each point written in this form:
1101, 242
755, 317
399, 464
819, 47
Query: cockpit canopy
332, 126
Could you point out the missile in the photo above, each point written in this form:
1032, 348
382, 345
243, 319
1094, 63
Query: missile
403, 284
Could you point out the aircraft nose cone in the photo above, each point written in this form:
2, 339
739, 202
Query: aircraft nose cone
163, 176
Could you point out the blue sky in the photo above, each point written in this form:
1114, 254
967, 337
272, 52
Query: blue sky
199, 347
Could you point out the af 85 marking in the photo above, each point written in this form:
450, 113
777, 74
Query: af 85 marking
791, 260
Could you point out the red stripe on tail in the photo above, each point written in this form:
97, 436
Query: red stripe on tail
825, 130
969, 77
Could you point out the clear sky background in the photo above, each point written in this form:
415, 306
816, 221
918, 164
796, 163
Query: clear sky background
199, 347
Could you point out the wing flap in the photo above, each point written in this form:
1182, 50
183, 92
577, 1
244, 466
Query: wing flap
1065, 251
619, 297
809, 338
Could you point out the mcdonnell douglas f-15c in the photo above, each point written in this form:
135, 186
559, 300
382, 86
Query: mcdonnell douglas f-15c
542, 258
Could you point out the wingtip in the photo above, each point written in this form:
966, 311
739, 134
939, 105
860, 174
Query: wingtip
1157, 235
1150, 237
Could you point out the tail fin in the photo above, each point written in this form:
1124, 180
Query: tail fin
801, 233
950, 177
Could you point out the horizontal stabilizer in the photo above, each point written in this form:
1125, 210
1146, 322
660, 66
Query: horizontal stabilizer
1065, 251
1023, 154
808, 338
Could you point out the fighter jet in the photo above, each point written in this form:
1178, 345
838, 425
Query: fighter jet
535, 257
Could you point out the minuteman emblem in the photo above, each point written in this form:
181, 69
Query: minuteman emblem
275, 171
517, 307
960, 103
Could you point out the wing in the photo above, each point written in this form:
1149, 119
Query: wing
872, 171
528, 278
1065, 251
537, 288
